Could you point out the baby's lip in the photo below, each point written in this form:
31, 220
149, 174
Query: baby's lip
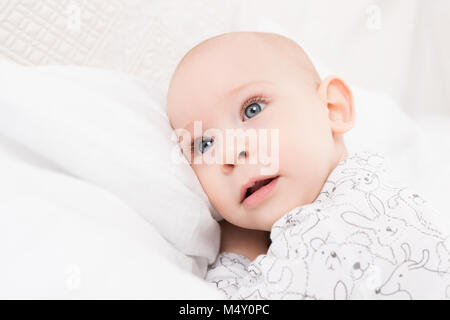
252, 182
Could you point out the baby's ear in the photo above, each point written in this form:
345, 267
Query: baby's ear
337, 97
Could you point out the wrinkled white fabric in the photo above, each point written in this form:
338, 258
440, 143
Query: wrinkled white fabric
364, 237
111, 131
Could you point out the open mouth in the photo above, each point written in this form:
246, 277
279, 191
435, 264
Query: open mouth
257, 188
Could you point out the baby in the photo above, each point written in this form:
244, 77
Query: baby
312, 222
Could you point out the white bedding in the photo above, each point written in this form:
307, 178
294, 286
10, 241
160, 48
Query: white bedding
89, 192
63, 238
72, 250
110, 129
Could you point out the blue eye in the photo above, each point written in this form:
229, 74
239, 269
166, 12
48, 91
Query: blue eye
253, 109
202, 144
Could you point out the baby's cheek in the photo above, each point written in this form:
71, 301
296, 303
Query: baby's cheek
213, 187
306, 165
305, 143
295, 153
206, 180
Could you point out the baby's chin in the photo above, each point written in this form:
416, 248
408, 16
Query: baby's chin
267, 221
265, 216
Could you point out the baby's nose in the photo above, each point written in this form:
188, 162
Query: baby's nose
227, 168
243, 154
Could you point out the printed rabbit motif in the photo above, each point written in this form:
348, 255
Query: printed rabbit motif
443, 252
274, 277
403, 281
363, 237
231, 265
287, 239
390, 232
408, 203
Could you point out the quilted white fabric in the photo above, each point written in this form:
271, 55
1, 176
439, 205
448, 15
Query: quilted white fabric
144, 38
395, 47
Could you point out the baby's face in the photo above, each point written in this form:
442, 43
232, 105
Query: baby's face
241, 84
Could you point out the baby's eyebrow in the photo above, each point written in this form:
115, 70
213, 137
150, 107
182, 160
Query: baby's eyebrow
245, 85
189, 125
234, 92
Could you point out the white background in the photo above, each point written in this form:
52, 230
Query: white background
396, 47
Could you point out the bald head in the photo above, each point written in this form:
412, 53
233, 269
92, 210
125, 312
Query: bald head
257, 96
220, 62
286, 47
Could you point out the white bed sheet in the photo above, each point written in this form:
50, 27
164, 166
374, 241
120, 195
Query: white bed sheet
66, 238
63, 238
110, 129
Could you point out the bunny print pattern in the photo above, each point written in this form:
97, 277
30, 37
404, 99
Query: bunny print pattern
364, 237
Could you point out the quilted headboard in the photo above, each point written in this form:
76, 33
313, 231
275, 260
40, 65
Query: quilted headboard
141, 37
395, 47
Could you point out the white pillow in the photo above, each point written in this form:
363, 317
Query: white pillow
63, 238
110, 129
